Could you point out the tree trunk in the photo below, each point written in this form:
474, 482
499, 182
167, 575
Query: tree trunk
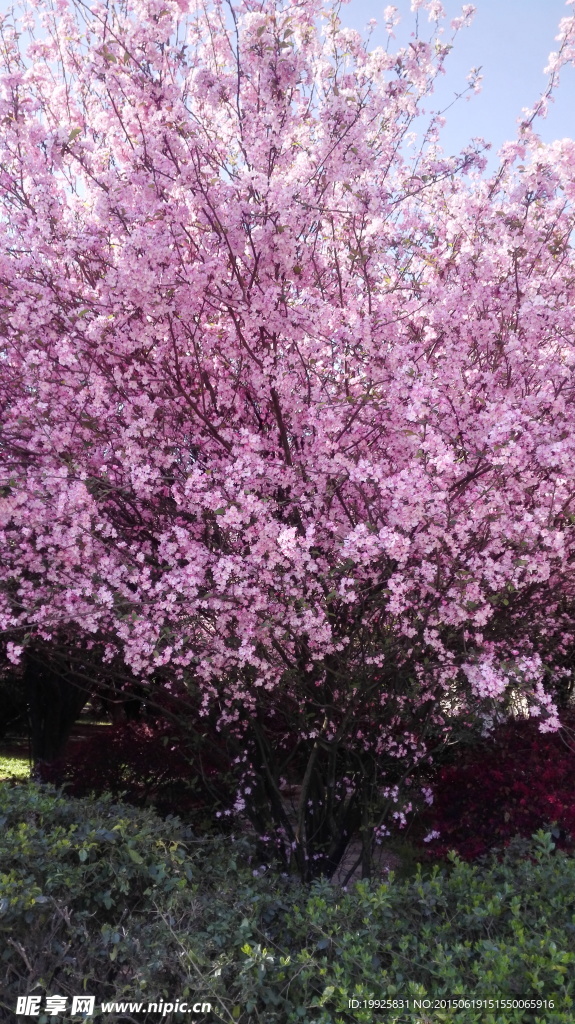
55, 703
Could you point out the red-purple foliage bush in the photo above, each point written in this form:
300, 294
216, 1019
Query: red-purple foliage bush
148, 764
518, 781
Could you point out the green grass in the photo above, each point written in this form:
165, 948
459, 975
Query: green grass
14, 767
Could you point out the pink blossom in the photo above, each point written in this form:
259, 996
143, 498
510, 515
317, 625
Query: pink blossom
287, 414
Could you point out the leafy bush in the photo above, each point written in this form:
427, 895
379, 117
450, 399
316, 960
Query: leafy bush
111, 900
12, 766
518, 781
145, 764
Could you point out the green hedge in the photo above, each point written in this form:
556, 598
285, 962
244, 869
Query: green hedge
113, 901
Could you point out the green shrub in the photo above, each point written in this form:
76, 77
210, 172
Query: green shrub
14, 767
111, 900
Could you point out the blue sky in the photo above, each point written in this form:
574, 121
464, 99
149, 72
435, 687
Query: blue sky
511, 41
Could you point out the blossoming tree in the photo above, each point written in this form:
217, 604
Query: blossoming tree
288, 412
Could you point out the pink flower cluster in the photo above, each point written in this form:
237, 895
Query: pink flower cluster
284, 409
